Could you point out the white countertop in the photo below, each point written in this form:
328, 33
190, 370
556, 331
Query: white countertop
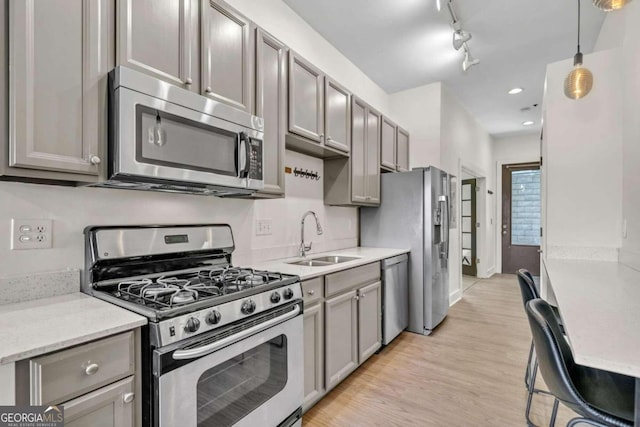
365, 256
599, 302
49, 324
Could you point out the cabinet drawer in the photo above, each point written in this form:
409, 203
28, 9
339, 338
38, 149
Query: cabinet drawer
348, 279
312, 290
69, 373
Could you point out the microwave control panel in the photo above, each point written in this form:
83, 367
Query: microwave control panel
255, 159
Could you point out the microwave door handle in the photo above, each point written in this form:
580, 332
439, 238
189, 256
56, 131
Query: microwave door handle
243, 155
194, 353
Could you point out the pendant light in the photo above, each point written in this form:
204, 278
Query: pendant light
609, 5
579, 82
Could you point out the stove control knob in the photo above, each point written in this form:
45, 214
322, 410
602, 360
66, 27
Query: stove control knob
214, 317
248, 307
275, 297
288, 293
192, 325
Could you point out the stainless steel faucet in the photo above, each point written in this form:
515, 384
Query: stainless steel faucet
304, 248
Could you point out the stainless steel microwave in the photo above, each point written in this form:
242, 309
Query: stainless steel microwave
165, 138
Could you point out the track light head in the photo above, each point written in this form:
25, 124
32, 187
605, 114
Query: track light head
469, 61
460, 38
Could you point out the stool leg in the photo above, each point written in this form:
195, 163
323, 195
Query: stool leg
554, 413
532, 381
527, 374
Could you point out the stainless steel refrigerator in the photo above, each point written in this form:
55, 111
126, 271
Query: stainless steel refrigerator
414, 213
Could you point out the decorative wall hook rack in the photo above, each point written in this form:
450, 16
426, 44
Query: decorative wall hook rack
306, 173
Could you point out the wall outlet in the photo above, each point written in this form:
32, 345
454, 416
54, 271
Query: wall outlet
263, 227
31, 233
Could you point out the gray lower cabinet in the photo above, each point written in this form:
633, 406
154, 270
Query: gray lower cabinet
341, 332
110, 406
271, 105
402, 150
369, 320
388, 138
313, 354
57, 88
160, 38
227, 55
356, 181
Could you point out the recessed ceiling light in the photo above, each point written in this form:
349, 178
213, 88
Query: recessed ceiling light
515, 91
527, 123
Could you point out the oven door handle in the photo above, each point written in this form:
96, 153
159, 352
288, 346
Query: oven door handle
194, 353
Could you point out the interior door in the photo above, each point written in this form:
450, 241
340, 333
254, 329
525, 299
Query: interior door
521, 218
469, 228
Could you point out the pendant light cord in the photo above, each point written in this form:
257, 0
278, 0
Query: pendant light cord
578, 26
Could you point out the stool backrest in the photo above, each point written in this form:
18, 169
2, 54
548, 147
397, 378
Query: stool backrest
527, 286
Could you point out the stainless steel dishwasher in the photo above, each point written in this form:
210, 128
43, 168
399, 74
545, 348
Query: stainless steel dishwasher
395, 299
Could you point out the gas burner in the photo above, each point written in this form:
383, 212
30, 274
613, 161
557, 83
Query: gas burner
254, 279
203, 287
156, 290
183, 296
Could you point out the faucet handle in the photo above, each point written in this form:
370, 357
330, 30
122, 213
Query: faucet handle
308, 248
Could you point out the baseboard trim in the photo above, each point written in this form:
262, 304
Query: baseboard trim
454, 297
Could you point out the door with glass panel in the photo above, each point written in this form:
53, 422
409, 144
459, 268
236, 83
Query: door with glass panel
521, 218
469, 228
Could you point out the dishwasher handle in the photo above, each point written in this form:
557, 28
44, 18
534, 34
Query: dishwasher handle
390, 262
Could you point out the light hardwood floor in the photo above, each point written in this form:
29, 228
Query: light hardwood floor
469, 372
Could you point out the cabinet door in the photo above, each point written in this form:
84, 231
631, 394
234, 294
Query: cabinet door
59, 55
227, 59
110, 406
313, 354
306, 99
337, 116
388, 145
341, 335
369, 320
402, 152
358, 160
373, 157
271, 104
156, 37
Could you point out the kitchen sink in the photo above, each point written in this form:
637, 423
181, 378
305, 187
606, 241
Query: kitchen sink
323, 261
335, 259
311, 263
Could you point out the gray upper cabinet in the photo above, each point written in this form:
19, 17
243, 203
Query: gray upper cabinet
355, 181
402, 150
341, 332
306, 99
388, 145
337, 116
369, 320
160, 38
227, 55
60, 55
271, 104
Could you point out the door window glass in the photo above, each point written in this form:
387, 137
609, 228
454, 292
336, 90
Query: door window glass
231, 390
525, 207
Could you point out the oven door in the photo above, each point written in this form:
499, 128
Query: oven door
154, 139
251, 375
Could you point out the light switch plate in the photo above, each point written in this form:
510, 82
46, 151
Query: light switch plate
31, 234
263, 227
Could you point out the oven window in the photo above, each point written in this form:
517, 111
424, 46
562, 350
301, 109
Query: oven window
167, 140
231, 390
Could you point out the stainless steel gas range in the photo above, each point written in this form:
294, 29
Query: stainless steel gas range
224, 345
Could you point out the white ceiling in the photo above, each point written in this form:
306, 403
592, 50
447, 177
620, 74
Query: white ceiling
402, 44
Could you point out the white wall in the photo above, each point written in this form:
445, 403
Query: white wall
508, 150
621, 29
465, 144
583, 158
418, 110
72, 209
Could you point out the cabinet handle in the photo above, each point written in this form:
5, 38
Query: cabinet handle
188, 81
356, 298
329, 138
321, 135
128, 397
208, 89
94, 160
311, 292
91, 369
362, 296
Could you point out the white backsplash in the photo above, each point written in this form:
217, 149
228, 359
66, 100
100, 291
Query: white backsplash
72, 209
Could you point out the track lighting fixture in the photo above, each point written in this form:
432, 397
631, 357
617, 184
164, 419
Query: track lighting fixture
469, 61
460, 38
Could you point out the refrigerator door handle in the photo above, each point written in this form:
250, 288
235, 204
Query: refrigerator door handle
444, 228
